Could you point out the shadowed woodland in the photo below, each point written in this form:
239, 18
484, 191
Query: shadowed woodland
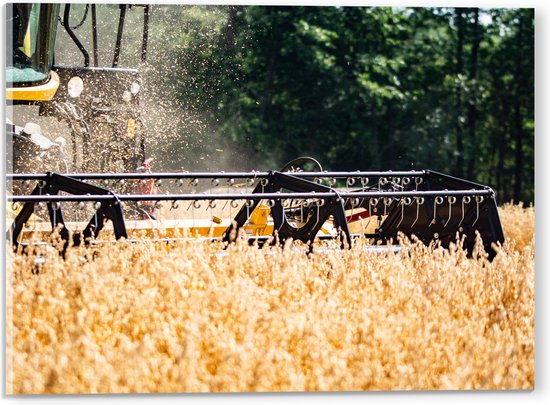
251, 87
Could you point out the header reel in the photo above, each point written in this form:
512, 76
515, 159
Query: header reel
276, 206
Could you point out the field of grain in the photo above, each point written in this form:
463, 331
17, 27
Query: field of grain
189, 317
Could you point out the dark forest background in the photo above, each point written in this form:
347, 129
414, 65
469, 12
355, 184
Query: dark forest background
251, 87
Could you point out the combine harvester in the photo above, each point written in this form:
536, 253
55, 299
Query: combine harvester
273, 206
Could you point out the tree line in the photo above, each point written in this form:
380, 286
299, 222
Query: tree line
358, 88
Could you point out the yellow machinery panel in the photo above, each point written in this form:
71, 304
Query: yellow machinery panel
43, 92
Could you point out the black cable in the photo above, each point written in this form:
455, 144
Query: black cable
290, 164
77, 26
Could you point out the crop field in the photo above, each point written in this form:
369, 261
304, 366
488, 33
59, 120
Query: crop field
192, 317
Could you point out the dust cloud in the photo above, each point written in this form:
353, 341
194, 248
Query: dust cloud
181, 135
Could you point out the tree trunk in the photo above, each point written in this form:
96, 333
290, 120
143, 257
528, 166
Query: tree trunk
518, 115
228, 31
268, 82
459, 19
472, 105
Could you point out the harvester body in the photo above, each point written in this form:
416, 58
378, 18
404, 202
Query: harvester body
86, 195
97, 103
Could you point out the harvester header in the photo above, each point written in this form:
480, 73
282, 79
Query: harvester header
268, 206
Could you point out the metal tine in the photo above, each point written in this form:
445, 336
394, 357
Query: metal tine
417, 182
466, 199
97, 206
249, 183
79, 210
248, 204
196, 205
230, 183
135, 210
211, 206
264, 183
232, 204
174, 207
226, 201
283, 203
10, 229
319, 205
350, 181
452, 200
354, 203
382, 181
387, 202
437, 201
36, 208
479, 200
15, 206
419, 202
403, 202
55, 206
372, 202
364, 182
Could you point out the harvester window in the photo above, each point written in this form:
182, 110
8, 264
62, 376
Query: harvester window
32, 28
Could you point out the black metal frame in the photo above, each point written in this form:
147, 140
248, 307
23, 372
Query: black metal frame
109, 209
276, 181
120, 31
85, 54
429, 205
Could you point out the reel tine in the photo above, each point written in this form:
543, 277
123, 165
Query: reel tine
364, 183
479, 200
419, 202
465, 200
437, 201
372, 202
196, 205
452, 200
417, 182
248, 204
403, 202
387, 202
174, 207
211, 206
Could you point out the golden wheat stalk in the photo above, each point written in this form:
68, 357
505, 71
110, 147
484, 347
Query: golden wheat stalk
187, 317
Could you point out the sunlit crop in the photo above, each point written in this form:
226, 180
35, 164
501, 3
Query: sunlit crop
189, 316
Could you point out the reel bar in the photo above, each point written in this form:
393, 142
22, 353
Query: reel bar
214, 175
248, 196
428, 205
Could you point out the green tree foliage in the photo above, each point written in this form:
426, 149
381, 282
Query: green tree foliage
358, 88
